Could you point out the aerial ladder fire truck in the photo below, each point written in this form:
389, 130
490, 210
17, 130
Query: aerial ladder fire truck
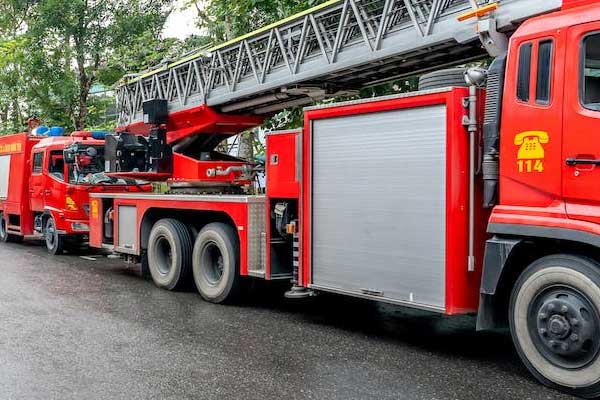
477, 194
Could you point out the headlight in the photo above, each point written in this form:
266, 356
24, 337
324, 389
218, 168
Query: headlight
78, 226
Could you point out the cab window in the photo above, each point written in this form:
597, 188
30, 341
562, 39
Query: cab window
544, 72
56, 165
38, 162
524, 73
590, 81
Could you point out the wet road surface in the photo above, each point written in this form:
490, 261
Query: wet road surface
72, 328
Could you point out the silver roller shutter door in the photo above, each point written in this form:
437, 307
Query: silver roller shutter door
378, 204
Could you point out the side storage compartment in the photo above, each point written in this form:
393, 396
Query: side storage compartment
386, 211
283, 169
127, 229
113, 227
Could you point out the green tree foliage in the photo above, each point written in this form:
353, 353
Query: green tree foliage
53, 52
12, 62
226, 19
76, 40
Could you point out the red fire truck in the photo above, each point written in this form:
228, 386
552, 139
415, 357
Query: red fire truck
45, 183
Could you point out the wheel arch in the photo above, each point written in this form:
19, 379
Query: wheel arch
45, 215
506, 258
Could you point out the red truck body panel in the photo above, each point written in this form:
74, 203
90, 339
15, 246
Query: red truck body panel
283, 164
283, 169
462, 287
576, 3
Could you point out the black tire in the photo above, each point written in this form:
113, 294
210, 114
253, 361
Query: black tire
454, 77
216, 263
170, 254
54, 241
554, 317
6, 237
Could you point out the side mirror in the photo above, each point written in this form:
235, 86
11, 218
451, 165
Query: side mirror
69, 156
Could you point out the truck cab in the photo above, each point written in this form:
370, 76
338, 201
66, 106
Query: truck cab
550, 112
541, 268
542, 114
60, 173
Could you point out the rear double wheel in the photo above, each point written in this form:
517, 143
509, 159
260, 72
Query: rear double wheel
555, 323
216, 263
170, 254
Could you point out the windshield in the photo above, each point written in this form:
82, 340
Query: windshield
94, 178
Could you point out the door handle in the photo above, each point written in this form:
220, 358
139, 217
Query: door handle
573, 162
47, 192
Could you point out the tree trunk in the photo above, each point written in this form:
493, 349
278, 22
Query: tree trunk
85, 81
83, 99
247, 145
4, 119
17, 116
84, 87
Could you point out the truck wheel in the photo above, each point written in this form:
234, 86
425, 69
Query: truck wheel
216, 263
54, 241
554, 319
453, 77
169, 254
6, 237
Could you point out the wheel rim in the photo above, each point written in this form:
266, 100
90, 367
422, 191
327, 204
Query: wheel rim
565, 327
50, 234
164, 253
213, 263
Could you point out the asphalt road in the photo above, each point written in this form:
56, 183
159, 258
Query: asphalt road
72, 328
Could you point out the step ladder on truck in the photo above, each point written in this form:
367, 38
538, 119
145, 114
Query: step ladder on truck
479, 199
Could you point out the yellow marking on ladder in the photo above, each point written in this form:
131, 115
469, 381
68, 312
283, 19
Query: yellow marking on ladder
480, 12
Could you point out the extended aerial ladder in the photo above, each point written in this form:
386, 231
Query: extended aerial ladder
339, 46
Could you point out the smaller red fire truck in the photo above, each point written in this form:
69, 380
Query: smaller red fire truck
45, 183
